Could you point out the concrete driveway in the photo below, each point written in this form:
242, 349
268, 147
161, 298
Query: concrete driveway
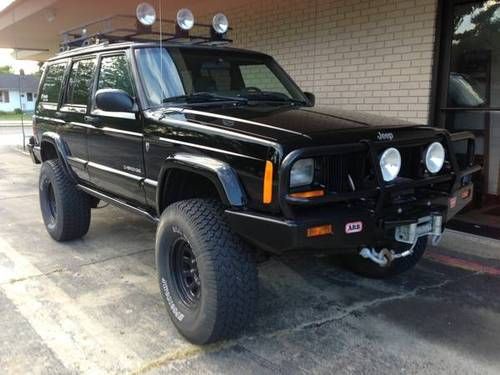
93, 305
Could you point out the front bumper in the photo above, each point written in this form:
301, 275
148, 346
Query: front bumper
279, 235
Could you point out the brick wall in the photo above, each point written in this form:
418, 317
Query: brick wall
368, 55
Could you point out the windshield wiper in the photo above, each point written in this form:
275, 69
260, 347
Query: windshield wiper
204, 97
273, 97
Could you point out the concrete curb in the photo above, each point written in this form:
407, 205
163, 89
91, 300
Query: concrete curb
470, 244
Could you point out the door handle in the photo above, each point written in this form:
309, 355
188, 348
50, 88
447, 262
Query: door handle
91, 120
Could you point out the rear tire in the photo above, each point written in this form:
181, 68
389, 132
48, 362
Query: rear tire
207, 274
367, 268
65, 209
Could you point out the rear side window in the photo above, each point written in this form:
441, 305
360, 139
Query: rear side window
52, 84
114, 74
80, 82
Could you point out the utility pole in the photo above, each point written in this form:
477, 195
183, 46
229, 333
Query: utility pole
21, 74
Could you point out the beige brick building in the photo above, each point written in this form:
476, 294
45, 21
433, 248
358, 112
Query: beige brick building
367, 55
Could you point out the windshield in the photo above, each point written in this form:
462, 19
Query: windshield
173, 75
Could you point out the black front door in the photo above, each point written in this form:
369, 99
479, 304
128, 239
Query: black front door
115, 141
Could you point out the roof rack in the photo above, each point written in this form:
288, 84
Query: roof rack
126, 28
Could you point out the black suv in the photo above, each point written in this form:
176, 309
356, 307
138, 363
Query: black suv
224, 151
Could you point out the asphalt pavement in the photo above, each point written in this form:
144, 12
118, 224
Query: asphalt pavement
93, 305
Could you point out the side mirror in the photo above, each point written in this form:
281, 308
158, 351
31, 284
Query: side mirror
311, 98
114, 100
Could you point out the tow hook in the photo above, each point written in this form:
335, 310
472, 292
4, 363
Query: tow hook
382, 257
385, 256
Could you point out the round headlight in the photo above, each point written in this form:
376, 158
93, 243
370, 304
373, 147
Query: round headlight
390, 164
220, 23
146, 14
302, 173
185, 19
434, 157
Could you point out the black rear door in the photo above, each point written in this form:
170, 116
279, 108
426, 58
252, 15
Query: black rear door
73, 111
115, 141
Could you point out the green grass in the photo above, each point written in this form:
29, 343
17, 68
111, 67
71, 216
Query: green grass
15, 117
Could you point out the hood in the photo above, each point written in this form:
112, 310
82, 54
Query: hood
288, 124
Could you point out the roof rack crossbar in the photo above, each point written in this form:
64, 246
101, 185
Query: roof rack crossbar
81, 36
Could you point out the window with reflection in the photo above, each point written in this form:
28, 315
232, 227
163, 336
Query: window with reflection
114, 74
473, 98
80, 82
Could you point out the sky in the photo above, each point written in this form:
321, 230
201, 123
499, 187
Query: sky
5, 3
6, 58
5, 54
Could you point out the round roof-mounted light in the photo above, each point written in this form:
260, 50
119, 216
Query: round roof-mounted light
146, 14
220, 23
185, 19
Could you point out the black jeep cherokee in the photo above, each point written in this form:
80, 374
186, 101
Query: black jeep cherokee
225, 152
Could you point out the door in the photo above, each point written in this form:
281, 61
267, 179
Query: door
115, 141
469, 92
73, 110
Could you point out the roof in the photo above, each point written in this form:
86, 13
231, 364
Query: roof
102, 47
29, 83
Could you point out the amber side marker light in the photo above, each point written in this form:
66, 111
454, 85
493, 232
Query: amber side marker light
267, 191
321, 230
308, 194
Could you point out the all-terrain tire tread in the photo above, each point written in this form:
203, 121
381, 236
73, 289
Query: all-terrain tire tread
235, 278
75, 204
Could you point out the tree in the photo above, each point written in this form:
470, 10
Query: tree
5, 69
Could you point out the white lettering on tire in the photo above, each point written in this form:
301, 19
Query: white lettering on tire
178, 315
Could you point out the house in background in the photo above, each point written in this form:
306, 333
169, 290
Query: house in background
18, 91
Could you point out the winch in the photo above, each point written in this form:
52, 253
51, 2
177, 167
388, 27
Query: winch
431, 225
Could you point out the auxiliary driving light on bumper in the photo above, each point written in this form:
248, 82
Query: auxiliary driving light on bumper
434, 157
390, 164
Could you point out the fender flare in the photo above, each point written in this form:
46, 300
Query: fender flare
61, 150
221, 174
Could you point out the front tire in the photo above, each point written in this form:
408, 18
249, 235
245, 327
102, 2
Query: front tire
65, 209
367, 268
207, 275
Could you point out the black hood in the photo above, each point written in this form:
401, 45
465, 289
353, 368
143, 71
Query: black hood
289, 124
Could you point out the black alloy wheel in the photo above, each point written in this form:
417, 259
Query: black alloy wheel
185, 271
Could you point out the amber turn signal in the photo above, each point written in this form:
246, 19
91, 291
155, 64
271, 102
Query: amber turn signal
320, 230
267, 189
308, 194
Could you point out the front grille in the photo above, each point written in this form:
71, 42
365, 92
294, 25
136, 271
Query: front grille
336, 172
411, 166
